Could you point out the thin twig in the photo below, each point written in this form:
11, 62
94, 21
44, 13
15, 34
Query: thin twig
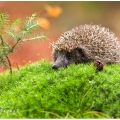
11, 50
6, 55
10, 66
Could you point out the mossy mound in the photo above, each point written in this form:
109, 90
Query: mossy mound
38, 91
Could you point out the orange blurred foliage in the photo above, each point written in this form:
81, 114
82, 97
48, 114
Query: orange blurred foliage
53, 11
44, 23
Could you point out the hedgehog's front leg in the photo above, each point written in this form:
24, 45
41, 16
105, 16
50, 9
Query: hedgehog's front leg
99, 65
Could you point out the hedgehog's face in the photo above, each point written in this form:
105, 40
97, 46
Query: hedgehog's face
64, 58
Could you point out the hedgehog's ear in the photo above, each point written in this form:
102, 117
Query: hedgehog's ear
83, 53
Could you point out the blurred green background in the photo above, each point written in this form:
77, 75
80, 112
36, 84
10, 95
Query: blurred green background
74, 13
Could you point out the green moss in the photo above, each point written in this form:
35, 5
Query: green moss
38, 91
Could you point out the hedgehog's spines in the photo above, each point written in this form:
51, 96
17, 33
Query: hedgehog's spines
99, 41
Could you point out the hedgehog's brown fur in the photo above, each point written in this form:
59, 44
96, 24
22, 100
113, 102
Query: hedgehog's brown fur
99, 42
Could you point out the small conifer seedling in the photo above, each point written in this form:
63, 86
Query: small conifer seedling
9, 33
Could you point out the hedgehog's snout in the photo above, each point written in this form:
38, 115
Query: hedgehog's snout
54, 66
60, 59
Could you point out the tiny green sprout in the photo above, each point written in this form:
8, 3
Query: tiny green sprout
34, 14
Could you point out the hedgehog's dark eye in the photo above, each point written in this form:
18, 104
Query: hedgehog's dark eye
69, 56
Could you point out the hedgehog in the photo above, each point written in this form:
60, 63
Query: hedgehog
86, 43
